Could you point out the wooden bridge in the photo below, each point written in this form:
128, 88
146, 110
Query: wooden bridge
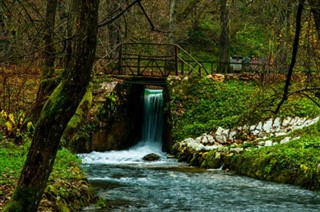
150, 60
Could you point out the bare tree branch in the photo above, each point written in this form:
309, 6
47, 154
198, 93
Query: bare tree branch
294, 56
106, 22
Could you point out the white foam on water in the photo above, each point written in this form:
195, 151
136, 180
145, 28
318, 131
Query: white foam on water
130, 156
151, 141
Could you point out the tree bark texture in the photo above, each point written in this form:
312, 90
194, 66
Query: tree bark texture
224, 54
57, 112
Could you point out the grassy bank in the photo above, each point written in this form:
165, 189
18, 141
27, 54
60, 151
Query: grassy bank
67, 190
297, 162
201, 106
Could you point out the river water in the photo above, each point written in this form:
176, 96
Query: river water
131, 184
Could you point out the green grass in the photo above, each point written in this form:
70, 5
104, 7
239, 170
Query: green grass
297, 162
202, 105
67, 184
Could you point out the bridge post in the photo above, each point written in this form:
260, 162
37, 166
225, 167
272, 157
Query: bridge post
138, 64
182, 68
176, 59
120, 60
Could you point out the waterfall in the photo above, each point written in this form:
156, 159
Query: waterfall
153, 117
152, 121
151, 138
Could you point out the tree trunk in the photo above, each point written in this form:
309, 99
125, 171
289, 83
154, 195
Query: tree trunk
57, 112
113, 27
47, 84
172, 21
283, 36
224, 54
315, 9
294, 56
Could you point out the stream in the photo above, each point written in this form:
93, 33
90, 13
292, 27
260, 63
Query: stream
130, 184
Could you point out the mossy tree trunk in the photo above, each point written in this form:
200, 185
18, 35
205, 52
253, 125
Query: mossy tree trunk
57, 112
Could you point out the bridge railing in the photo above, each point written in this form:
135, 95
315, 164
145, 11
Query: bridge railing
149, 59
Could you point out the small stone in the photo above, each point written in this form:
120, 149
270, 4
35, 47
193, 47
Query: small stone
276, 123
209, 148
255, 132
210, 139
221, 139
251, 128
231, 135
294, 121
198, 139
268, 143
286, 122
280, 134
219, 131
285, 140
199, 147
259, 126
225, 132
267, 126
237, 150
204, 140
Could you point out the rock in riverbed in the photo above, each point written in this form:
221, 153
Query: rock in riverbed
151, 157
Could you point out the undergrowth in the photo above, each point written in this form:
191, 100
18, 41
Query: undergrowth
202, 105
297, 162
67, 186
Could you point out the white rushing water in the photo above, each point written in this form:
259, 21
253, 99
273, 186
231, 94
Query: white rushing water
151, 141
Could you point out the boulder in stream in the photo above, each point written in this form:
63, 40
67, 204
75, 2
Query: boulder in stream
151, 157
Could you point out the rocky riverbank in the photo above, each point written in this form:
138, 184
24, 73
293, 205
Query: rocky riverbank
214, 149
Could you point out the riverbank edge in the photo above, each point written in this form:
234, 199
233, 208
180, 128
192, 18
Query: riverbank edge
246, 157
286, 163
68, 189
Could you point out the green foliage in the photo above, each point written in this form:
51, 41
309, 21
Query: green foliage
67, 186
296, 162
205, 105
200, 106
11, 162
101, 202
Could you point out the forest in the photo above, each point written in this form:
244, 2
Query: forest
267, 53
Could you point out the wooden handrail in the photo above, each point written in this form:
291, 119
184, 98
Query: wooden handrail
142, 56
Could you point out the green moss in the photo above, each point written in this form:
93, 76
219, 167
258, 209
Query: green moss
79, 117
66, 183
13, 206
213, 160
296, 162
53, 103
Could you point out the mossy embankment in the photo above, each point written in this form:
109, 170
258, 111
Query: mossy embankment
296, 162
67, 189
200, 106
